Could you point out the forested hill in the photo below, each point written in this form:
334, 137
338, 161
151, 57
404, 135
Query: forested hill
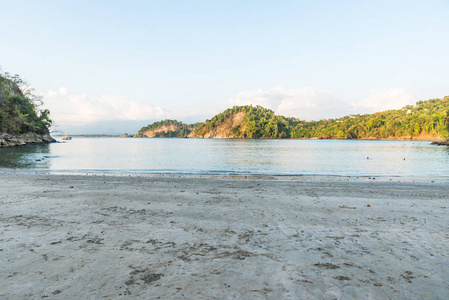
251, 122
426, 120
166, 128
21, 120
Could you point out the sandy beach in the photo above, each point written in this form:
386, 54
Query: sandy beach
111, 237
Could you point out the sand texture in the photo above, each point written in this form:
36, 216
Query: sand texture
96, 237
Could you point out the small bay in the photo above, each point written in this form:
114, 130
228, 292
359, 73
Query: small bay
408, 159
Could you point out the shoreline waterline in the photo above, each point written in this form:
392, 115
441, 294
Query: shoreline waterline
232, 177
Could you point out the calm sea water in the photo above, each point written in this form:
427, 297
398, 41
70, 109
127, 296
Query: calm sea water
220, 156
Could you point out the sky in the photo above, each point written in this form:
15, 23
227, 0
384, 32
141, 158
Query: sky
115, 66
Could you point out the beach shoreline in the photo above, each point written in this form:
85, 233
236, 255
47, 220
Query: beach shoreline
175, 236
225, 176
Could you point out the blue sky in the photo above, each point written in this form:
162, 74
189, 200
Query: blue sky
127, 63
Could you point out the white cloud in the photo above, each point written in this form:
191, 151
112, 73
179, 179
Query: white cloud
305, 103
314, 104
380, 100
69, 108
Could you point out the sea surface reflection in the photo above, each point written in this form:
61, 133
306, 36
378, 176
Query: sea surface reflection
222, 156
31, 156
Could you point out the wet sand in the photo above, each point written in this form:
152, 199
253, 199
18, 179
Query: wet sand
100, 237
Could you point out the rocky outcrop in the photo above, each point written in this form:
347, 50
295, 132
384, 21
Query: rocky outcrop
155, 131
222, 130
441, 143
166, 128
8, 140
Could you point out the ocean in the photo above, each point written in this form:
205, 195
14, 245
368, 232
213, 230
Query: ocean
406, 159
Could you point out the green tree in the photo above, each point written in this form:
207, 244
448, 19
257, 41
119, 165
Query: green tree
19, 107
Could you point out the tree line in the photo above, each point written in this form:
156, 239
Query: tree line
429, 117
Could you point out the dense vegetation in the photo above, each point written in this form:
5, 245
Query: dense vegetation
426, 117
181, 130
19, 108
257, 122
429, 117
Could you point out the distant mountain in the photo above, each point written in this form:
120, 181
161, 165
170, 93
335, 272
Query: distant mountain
116, 127
427, 120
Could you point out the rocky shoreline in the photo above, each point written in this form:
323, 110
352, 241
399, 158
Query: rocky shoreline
9, 140
441, 143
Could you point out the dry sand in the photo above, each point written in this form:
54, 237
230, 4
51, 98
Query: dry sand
96, 237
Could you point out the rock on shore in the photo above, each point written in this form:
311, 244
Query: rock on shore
8, 140
442, 143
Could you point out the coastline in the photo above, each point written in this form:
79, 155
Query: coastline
77, 236
224, 176
407, 138
418, 138
10, 140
